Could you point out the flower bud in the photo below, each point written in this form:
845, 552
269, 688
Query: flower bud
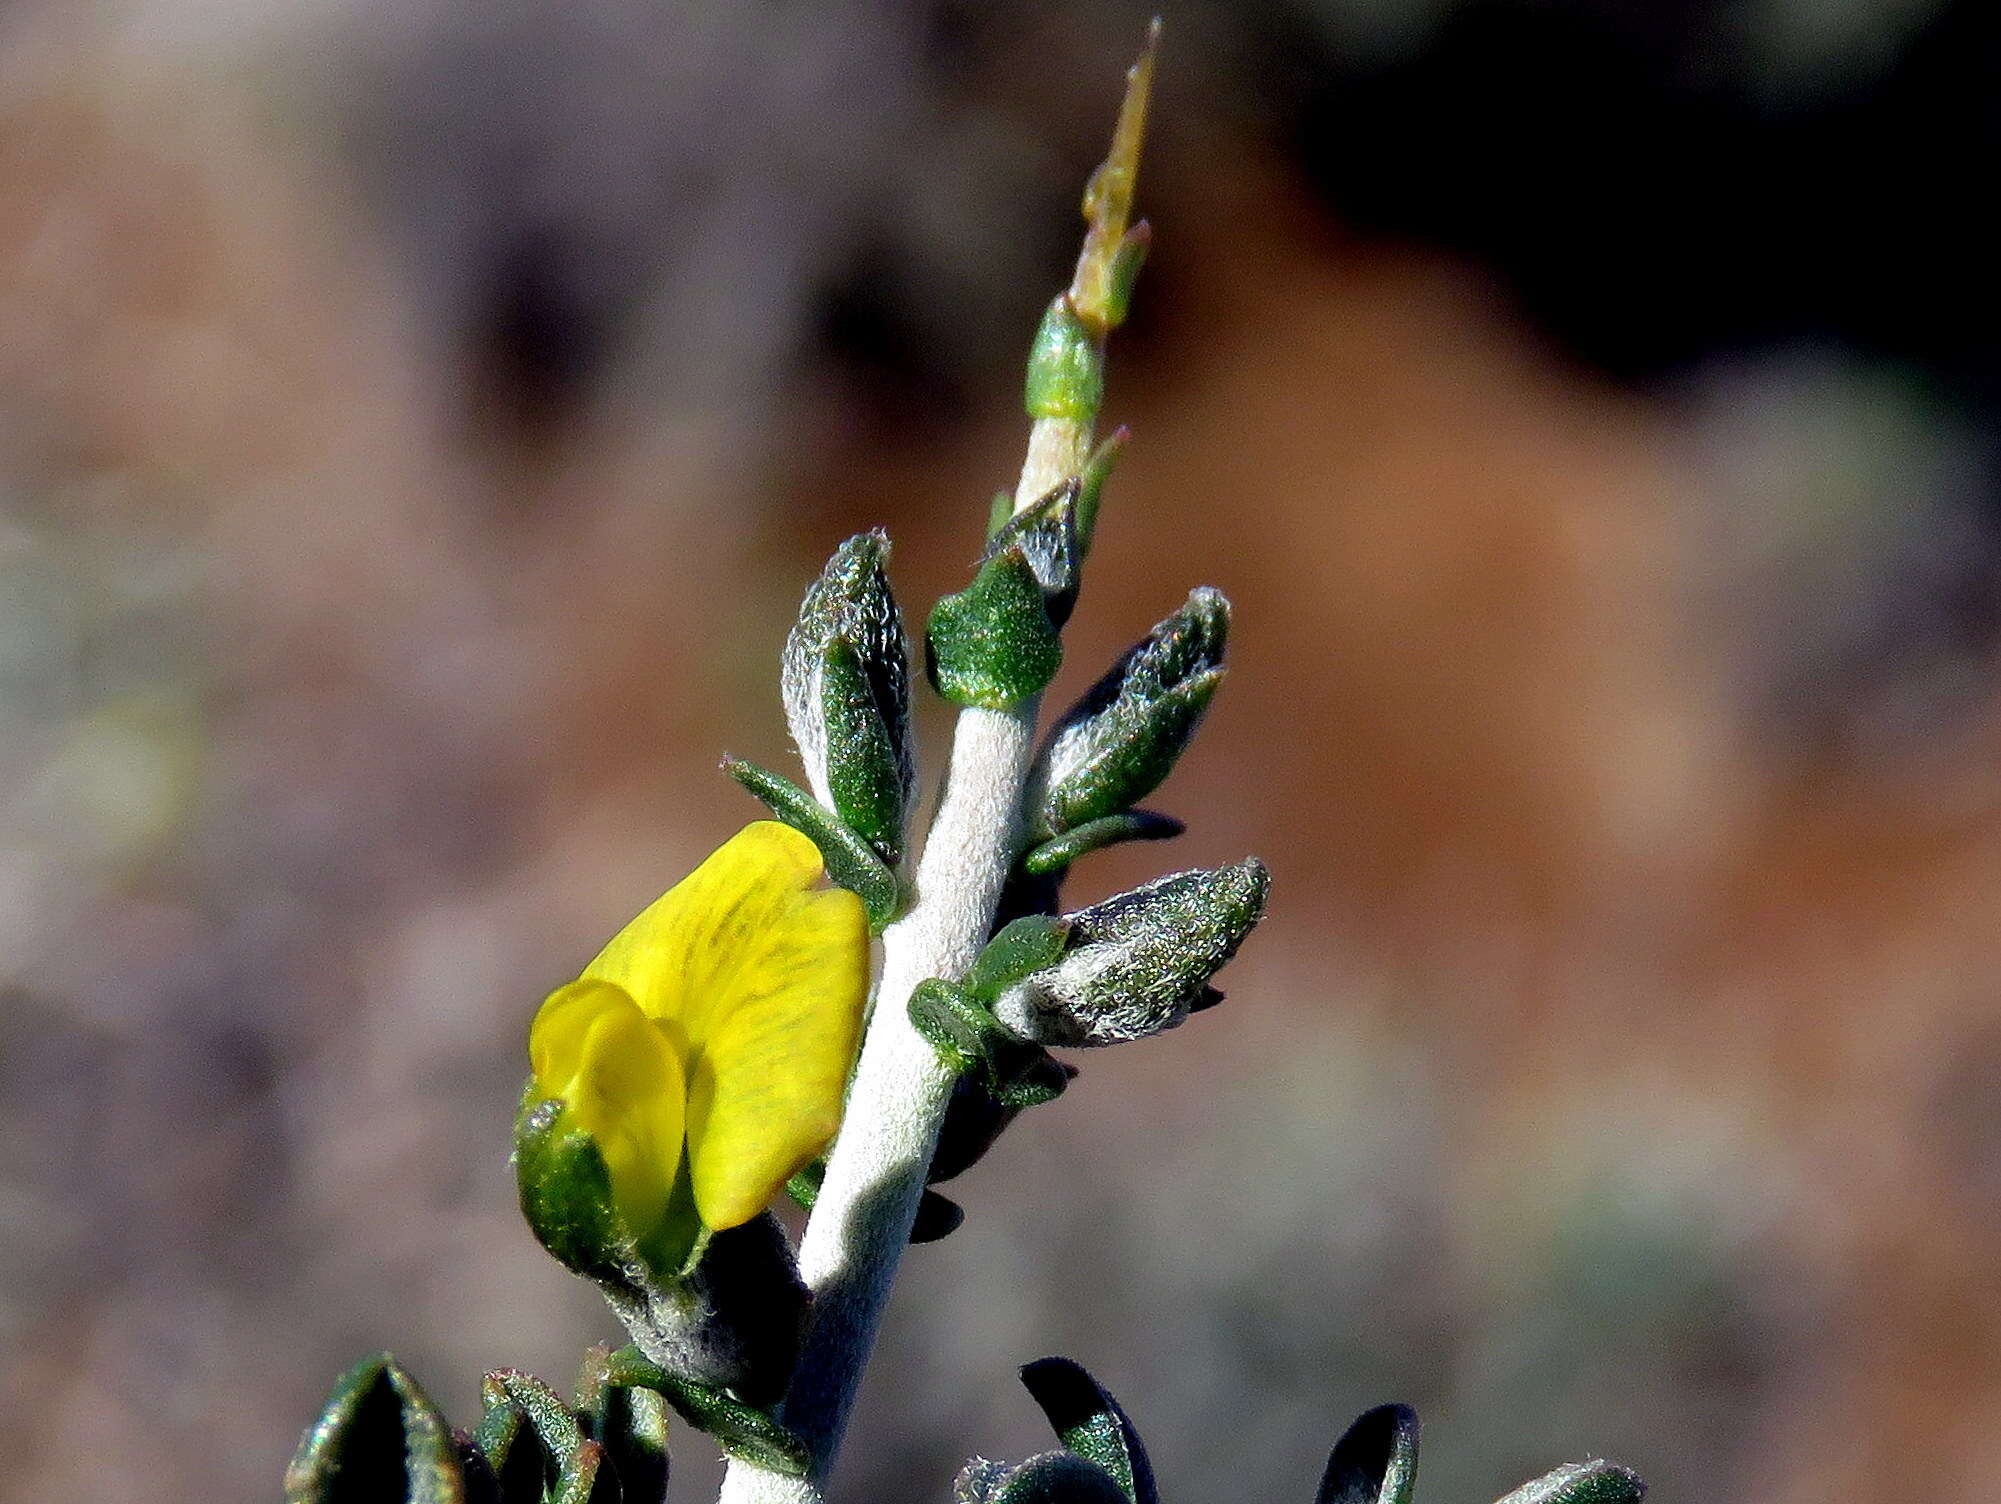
846, 683
379, 1437
1139, 963
1116, 744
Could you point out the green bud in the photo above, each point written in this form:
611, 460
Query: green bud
1141, 962
1116, 744
379, 1440
1091, 1423
1066, 366
846, 684
851, 861
1052, 1478
1375, 1461
1595, 1482
993, 645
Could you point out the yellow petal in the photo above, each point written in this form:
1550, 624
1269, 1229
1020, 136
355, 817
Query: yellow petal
686, 948
765, 1092
758, 981
621, 1082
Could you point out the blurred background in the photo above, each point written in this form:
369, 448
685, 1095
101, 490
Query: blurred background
419, 420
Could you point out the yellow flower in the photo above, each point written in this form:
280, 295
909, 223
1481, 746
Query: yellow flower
706, 1049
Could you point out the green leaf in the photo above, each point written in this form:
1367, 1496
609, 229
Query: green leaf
851, 862
379, 1440
993, 645
1058, 852
739, 1429
1026, 945
972, 1043
1091, 486
1090, 1423
1375, 1461
1595, 1482
1126, 262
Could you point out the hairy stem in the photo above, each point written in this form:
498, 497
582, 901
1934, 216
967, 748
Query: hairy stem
875, 1175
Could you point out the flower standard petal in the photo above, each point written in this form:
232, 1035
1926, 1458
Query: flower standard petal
766, 1086
683, 951
621, 1082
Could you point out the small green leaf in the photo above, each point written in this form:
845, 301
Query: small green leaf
993, 645
1091, 486
1595, 1482
1375, 1461
1066, 367
1058, 852
1126, 262
739, 1429
379, 1440
972, 1043
851, 862
1091, 1423
512, 1453
1026, 945
999, 510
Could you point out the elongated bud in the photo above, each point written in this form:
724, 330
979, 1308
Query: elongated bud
1141, 962
379, 1437
846, 683
1116, 744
